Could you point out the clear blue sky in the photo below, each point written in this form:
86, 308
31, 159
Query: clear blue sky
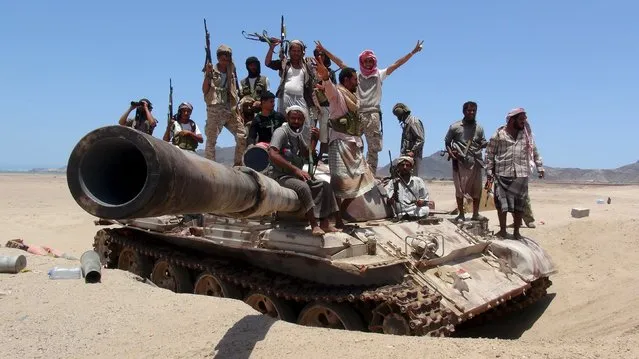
68, 67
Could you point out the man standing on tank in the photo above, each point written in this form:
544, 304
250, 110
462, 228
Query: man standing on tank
464, 142
219, 87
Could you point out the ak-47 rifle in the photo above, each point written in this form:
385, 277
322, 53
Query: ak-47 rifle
283, 42
264, 37
394, 178
208, 59
169, 116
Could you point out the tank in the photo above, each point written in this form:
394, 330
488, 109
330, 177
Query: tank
192, 225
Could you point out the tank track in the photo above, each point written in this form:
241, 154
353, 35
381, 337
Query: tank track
419, 307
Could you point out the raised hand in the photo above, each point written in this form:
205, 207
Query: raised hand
419, 47
322, 71
319, 46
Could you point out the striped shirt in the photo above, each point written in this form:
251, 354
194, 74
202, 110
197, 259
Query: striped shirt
508, 157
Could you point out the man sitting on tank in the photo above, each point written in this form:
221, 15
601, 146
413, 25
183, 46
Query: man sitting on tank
266, 121
287, 151
407, 194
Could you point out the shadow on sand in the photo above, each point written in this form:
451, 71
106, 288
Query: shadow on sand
510, 326
239, 341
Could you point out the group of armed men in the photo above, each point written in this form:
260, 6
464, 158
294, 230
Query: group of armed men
313, 106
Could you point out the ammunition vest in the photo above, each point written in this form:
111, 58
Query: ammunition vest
256, 92
185, 142
348, 124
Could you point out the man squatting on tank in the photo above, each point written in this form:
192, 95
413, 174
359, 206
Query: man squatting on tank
406, 193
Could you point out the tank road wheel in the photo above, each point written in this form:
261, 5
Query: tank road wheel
169, 276
134, 262
388, 321
330, 315
209, 284
101, 244
271, 306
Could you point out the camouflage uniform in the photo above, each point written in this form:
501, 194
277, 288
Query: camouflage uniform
221, 111
371, 127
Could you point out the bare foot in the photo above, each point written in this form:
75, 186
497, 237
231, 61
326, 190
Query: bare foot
502, 234
516, 235
330, 229
317, 231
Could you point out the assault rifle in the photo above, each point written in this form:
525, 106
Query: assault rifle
264, 37
283, 41
395, 179
169, 116
208, 59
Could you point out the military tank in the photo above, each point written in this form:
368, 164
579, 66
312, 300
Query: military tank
192, 225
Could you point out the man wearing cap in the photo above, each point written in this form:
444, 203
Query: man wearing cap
184, 131
143, 120
266, 121
296, 77
464, 142
412, 135
510, 154
407, 194
288, 151
221, 96
369, 92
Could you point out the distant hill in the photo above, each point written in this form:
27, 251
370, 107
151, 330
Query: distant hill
437, 167
434, 166
48, 170
622, 175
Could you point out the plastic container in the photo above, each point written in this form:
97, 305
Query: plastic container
12, 264
65, 273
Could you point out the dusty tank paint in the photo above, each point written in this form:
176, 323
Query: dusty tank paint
427, 276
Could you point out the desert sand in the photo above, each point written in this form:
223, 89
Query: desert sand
592, 310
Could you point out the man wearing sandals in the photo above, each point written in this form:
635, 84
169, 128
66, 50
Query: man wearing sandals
464, 142
510, 156
288, 151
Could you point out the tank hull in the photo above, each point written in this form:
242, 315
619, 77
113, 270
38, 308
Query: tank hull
419, 277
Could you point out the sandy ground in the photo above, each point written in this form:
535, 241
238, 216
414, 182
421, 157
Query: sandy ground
592, 310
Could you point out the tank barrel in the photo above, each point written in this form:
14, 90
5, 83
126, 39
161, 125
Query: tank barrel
116, 172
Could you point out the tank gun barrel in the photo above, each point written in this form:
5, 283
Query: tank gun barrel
116, 172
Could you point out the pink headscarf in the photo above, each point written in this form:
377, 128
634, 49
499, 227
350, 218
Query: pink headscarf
367, 54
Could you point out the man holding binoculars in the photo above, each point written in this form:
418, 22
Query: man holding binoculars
143, 120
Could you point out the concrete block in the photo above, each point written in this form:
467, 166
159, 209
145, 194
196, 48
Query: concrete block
580, 212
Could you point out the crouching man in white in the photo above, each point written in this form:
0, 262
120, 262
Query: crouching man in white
407, 194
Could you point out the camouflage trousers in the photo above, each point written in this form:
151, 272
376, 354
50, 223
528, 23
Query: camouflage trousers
371, 127
217, 117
